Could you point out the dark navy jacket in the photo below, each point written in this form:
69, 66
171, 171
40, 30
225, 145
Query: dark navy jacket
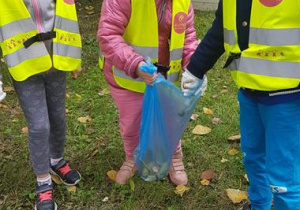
212, 47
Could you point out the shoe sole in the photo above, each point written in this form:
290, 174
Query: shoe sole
55, 206
62, 181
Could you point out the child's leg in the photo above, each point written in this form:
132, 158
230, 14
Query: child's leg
32, 97
129, 105
55, 85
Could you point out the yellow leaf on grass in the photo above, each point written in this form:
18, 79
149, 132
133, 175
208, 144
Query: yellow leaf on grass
180, 189
201, 130
234, 138
105, 199
233, 151
132, 185
89, 7
112, 175
25, 130
103, 92
224, 160
8, 89
194, 116
71, 189
84, 119
236, 196
208, 111
56, 179
78, 97
246, 178
3, 106
205, 182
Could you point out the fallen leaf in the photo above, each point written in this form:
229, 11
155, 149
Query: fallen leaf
246, 178
224, 91
78, 97
103, 92
216, 120
84, 119
56, 179
190, 164
233, 151
235, 138
223, 160
194, 116
67, 111
201, 130
132, 185
25, 130
208, 111
67, 95
3, 106
15, 120
208, 175
236, 196
90, 12
105, 199
89, 7
180, 189
71, 189
93, 154
112, 175
205, 182
8, 89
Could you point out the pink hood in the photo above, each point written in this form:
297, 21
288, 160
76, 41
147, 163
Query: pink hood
115, 15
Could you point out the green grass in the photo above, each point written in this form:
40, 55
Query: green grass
96, 147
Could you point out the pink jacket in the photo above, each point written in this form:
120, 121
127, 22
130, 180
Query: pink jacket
115, 15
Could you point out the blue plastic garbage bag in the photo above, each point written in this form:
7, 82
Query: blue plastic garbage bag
166, 113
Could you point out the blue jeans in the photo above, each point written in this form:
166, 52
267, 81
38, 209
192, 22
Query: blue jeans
271, 147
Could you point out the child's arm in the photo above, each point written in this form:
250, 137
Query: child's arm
190, 42
115, 15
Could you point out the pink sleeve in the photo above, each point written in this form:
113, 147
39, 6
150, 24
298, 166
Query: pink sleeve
115, 15
190, 42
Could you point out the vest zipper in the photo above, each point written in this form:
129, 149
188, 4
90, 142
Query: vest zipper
162, 11
37, 15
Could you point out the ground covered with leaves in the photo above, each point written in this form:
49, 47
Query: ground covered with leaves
94, 145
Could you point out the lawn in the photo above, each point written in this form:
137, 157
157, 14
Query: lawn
96, 147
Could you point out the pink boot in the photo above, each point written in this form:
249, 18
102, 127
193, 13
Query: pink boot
177, 173
126, 171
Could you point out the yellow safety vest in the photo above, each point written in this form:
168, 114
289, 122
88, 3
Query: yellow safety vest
17, 26
142, 34
272, 61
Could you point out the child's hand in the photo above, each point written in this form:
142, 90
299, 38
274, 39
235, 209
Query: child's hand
146, 77
75, 74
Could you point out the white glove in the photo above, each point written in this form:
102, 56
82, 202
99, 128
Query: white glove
191, 85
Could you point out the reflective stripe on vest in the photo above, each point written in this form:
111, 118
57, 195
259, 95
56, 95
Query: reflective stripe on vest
272, 61
144, 40
229, 37
16, 26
